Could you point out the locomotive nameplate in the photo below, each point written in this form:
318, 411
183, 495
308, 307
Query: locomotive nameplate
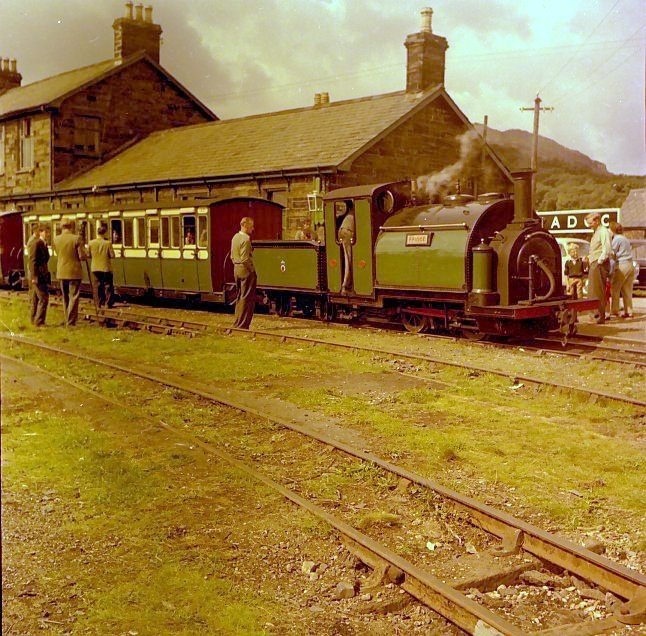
419, 239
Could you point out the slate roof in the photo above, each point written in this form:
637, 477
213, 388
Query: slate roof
53, 90
633, 211
317, 137
48, 90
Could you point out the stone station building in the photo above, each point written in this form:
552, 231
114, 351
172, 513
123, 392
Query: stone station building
61, 126
290, 156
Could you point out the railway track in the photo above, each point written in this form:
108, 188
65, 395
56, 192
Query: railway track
163, 324
514, 534
577, 346
282, 338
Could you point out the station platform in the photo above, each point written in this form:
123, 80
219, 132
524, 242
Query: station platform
632, 330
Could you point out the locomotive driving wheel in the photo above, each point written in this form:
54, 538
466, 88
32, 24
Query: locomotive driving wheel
414, 323
470, 331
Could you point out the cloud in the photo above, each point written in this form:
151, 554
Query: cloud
253, 56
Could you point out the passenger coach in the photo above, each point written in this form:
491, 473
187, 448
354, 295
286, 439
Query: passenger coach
177, 249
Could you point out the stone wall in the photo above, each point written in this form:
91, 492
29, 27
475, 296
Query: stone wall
423, 145
16, 180
128, 106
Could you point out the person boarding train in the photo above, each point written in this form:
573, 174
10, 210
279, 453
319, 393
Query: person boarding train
102, 253
70, 252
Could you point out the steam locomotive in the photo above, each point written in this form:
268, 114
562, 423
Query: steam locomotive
475, 266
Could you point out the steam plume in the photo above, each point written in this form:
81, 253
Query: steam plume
470, 149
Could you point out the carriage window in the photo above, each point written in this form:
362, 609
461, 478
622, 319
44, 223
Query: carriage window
128, 233
56, 228
174, 234
29, 230
203, 236
188, 230
116, 231
153, 232
141, 232
165, 231
83, 231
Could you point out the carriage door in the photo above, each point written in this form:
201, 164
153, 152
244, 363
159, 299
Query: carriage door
190, 253
362, 270
116, 236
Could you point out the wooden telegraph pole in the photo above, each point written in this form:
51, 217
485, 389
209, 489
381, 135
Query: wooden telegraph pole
534, 159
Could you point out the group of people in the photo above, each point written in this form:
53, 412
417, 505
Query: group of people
610, 261
70, 252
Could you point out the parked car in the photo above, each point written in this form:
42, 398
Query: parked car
639, 260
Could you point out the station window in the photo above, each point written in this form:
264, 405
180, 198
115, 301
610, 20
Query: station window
26, 154
174, 231
165, 231
202, 232
188, 230
153, 232
116, 231
87, 132
141, 232
128, 233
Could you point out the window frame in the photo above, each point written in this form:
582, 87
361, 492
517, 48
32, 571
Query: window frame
87, 128
25, 140
153, 220
128, 236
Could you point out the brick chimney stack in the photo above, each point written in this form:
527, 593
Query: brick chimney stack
136, 32
426, 56
9, 76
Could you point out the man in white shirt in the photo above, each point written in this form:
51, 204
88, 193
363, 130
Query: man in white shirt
599, 263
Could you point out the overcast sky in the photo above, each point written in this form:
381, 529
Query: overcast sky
585, 57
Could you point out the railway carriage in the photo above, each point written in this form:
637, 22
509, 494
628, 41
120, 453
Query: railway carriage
11, 261
176, 249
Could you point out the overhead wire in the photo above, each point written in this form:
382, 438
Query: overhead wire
594, 76
569, 61
376, 69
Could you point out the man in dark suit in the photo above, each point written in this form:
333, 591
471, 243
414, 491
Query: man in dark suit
70, 252
39, 276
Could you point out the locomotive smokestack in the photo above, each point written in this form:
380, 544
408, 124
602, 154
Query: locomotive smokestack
523, 208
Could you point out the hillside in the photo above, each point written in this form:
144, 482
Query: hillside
567, 179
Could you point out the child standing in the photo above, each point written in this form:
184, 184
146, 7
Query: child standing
575, 271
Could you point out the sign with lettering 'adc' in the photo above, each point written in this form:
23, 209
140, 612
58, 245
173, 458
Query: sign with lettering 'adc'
572, 221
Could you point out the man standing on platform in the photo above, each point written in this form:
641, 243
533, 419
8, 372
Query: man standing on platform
599, 263
70, 252
244, 274
102, 253
39, 276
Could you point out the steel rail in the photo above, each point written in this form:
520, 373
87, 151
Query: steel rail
144, 325
515, 533
422, 358
442, 598
426, 358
